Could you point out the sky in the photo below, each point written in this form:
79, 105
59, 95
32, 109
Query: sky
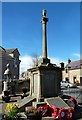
22, 29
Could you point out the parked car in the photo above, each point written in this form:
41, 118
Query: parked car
67, 84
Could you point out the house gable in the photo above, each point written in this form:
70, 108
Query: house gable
13, 52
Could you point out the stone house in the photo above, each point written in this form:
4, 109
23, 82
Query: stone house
73, 72
10, 56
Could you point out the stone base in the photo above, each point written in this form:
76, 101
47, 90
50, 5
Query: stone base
38, 104
6, 98
45, 61
49, 118
41, 99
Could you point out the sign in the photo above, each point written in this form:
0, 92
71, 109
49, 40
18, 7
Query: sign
25, 101
57, 101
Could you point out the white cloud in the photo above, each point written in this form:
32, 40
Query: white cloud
27, 62
77, 55
56, 61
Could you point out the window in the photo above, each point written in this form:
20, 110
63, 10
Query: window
67, 79
66, 71
74, 79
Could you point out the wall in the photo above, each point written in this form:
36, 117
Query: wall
71, 74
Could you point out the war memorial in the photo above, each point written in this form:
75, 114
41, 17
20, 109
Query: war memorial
44, 100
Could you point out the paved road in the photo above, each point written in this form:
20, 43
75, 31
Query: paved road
73, 92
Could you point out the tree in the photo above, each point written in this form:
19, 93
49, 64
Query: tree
23, 74
35, 59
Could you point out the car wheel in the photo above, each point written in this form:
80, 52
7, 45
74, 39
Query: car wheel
68, 86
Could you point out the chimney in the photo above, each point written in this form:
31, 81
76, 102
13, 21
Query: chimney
69, 61
62, 65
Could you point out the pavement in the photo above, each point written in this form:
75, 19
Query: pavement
79, 87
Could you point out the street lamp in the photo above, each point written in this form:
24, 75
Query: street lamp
69, 66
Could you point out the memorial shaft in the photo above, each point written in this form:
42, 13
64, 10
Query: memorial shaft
44, 20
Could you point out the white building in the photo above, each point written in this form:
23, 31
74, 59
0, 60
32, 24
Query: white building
10, 56
73, 72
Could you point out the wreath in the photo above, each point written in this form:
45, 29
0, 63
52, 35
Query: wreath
55, 111
46, 110
72, 102
70, 114
62, 114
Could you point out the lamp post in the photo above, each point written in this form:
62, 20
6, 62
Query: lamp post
69, 76
69, 66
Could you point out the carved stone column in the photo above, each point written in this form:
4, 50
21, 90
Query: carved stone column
39, 88
44, 20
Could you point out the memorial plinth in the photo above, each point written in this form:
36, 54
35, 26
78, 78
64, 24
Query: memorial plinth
44, 78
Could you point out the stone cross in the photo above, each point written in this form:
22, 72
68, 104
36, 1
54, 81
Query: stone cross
44, 20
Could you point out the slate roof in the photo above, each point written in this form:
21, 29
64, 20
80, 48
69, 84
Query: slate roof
11, 50
7, 51
2, 49
74, 64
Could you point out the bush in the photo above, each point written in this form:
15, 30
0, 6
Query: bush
11, 112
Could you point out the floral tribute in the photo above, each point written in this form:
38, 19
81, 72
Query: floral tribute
46, 110
72, 102
11, 111
60, 113
70, 114
55, 111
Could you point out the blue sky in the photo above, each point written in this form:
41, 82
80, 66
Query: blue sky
21, 28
